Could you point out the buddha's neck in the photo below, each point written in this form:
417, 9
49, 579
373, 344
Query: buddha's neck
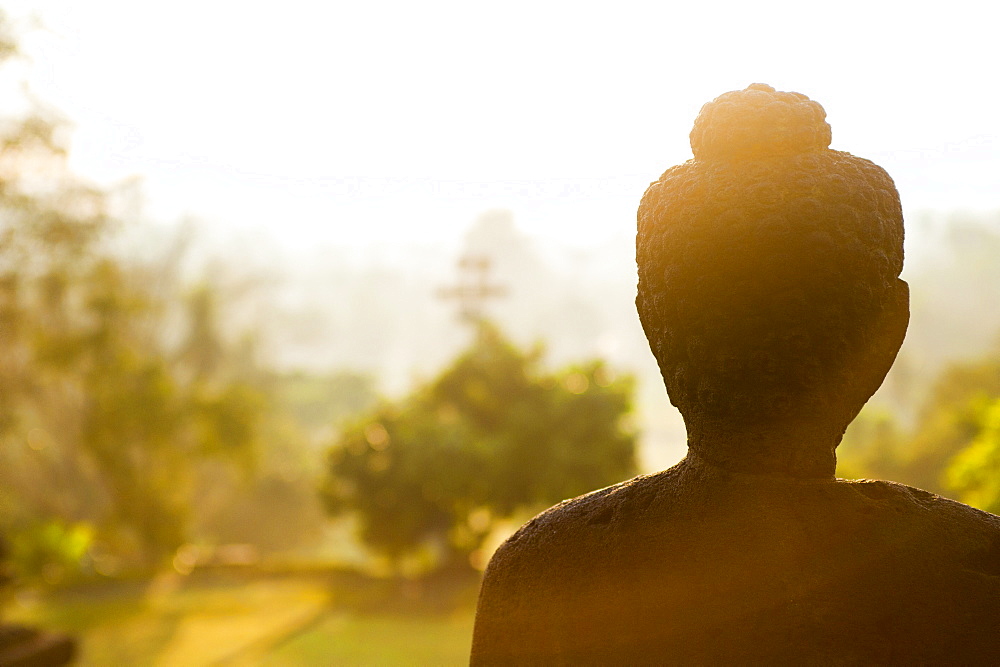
802, 453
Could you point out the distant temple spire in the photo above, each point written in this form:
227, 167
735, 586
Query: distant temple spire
473, 288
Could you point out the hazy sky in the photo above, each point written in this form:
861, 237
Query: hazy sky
354, 122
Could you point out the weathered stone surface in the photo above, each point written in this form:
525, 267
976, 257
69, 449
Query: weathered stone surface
769, 291
699, 565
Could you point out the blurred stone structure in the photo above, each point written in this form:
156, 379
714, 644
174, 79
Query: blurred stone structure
770, 296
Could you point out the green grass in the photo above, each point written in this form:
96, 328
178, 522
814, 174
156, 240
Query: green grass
379, 640
278, 621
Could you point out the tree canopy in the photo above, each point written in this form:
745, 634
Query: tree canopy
953, 448
102, 421
492, 436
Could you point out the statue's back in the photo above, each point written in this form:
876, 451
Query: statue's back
769, 291
696, 565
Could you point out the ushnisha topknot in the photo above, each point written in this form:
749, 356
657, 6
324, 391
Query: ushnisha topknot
763, 261
759, 121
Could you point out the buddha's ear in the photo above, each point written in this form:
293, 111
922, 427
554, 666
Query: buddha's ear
646, 319
888, 332
652, 326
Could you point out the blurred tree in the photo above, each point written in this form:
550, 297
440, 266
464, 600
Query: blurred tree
101, 424
975, 471
104, 423
154, 418
951, 419
952, 448
490, 437
871, 447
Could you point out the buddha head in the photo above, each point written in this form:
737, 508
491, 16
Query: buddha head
769, 283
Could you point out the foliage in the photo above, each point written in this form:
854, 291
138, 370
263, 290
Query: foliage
950, 420
975, 471
102, 422
871, 447
954, 447
50, 551
491, 436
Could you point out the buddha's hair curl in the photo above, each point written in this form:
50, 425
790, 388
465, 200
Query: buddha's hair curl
759, 121
760, 259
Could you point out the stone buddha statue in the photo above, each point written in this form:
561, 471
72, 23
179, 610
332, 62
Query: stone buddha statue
769, 292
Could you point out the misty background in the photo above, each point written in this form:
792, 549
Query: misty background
378, 310
284, 196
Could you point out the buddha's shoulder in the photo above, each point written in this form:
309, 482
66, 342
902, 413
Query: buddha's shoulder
667, 508
942, 520
590, 521
912, 500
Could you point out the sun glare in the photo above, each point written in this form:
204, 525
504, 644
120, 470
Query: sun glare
235, 115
